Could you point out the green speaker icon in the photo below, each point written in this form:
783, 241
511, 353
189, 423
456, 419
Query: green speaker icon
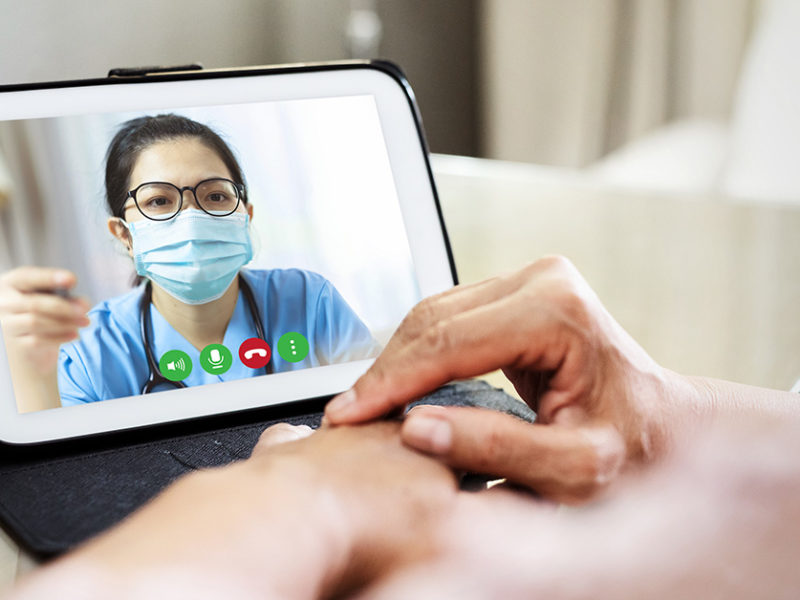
175, 365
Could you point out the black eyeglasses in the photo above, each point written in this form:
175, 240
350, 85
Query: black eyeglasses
161, 200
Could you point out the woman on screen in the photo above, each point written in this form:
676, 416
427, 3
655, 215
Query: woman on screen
178, 203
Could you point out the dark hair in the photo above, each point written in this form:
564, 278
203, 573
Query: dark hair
137, 135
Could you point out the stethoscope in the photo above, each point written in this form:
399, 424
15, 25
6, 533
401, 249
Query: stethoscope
156, 378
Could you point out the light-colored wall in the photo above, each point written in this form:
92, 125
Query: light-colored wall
46, 40
433, 40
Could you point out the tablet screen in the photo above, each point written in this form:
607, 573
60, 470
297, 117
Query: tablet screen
213, 245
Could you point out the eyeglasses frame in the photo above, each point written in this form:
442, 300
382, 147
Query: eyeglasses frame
239, 187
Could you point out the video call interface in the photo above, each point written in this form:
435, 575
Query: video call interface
179, 247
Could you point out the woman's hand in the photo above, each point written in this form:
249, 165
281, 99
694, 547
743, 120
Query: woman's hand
601, 400
35, 320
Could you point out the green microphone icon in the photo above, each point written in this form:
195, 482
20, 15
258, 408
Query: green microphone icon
216, 359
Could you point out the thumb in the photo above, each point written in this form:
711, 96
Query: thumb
561, 463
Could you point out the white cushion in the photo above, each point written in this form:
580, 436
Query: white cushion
764, 156
684, 156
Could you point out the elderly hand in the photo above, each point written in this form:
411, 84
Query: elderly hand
719, 520
602, 402
302, 518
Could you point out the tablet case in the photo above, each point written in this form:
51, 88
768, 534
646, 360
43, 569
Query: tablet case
55, 497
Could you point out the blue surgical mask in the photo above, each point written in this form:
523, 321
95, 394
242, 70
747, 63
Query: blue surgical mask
194, 257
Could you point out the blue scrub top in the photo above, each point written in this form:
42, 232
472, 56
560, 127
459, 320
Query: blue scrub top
109, 361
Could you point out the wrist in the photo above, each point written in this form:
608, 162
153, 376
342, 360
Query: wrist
717, 397
687, 403
312, 534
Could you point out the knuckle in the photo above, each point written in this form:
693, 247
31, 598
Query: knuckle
552, 263
30, 321
422, 314
592, 471
530, 272
37, 305
30, 344
572, 302
379, 375
553, 276
586, 476
495, 446
567, 301
438, 340
560, 263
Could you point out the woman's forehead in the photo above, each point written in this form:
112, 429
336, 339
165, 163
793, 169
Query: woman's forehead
182, 161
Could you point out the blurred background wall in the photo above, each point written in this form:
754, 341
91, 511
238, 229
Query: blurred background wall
694, 95
433, 40
557, 82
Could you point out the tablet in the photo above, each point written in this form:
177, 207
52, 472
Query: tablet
242, 239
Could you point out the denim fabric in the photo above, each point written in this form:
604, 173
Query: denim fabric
478, 393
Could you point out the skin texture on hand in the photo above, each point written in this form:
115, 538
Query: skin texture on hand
603, 404
307, 516
349, 510
718, 520
600, 398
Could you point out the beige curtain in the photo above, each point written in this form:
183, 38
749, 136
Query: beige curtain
566, 81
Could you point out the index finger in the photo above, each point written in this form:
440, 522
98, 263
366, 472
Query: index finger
470, 343
39, 279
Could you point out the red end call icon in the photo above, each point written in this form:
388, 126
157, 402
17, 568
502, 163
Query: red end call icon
254, 353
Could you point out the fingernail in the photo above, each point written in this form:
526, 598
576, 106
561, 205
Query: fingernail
62, 278
428, 408
429, 434
341, 405
282, 436
79, 310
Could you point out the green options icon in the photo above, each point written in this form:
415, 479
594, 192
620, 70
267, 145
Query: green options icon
293, 346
